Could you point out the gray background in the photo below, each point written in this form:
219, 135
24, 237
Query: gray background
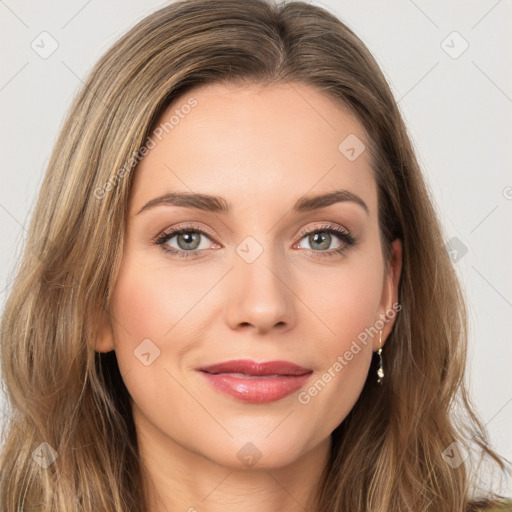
458, 110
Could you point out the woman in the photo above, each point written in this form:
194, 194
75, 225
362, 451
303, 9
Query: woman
177, 340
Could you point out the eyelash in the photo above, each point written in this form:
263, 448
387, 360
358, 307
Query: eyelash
348, 240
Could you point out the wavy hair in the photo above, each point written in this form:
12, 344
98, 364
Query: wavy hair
389, 454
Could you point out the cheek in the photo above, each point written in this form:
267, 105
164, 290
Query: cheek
149, 308
346, 299
149, 300
158, 315
144, 307
335, 389
343, 359
347, 304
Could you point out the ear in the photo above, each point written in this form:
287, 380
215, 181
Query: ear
105, 340
389, 294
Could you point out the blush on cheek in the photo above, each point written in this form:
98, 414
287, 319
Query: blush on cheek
351, 315
153, 304
146, 306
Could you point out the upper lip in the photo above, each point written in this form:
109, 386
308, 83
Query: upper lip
248, 367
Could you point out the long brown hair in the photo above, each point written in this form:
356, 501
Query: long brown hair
389, 454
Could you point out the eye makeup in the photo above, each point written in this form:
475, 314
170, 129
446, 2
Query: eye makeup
346, 238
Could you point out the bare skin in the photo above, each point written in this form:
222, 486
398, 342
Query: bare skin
261, 149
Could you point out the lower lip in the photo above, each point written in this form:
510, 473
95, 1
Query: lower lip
256, 390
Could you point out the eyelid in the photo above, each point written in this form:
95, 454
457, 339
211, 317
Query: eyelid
186, 226
302, 233
326, 225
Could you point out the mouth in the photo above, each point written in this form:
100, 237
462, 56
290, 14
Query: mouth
256, 383
253, 369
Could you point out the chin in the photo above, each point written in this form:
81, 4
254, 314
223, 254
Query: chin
258, 453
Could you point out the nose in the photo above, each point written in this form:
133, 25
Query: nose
260, 295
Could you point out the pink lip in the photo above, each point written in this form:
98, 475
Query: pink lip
256, 383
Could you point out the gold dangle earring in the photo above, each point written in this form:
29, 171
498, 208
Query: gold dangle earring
380, 371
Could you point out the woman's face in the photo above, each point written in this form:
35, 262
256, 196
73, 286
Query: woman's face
257, 277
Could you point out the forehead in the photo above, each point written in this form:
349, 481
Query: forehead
251, 141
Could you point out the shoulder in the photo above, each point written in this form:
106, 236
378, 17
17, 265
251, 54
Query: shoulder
491, 506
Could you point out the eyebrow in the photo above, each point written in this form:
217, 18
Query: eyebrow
218, 204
